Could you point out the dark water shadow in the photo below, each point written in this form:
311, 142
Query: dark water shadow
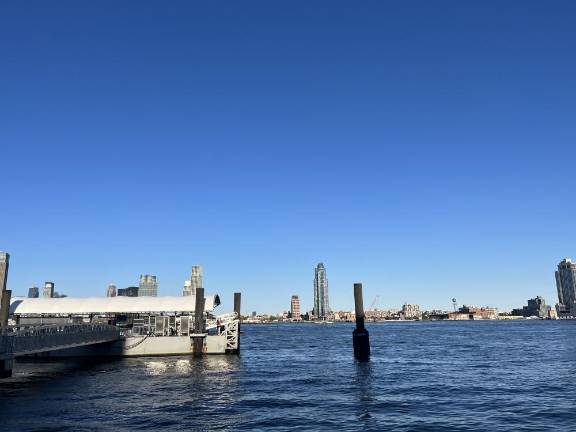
31, 373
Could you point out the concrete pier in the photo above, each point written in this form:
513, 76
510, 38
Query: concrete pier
360, 338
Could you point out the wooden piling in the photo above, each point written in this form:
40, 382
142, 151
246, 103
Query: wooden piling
5, 308
199, 328
360, 338
237, 305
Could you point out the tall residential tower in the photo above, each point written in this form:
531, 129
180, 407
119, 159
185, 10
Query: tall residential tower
566, 285
295, 308
321, 304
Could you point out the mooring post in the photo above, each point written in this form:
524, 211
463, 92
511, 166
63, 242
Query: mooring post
237, 304
6, 359
199, 322
360, 338
5, 308
4, 293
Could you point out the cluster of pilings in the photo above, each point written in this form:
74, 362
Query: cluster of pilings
199, 324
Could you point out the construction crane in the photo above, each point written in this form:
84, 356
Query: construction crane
374, 303
455, 305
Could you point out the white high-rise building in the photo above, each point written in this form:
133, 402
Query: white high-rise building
111, 291
148, 286
195, 282
196, 278
321, 304
187, 291
48, 290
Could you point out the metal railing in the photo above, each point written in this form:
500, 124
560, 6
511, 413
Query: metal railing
17, 341
221, 319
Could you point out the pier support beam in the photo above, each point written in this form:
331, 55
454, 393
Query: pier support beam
360, 338
237, 305
199, 322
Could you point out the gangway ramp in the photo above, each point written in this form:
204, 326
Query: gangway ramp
20, 341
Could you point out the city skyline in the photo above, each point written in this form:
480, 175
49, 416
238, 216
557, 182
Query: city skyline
197, 277
261, 140
564, 276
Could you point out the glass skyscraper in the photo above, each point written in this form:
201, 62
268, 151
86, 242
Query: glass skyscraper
321, 304
566, 284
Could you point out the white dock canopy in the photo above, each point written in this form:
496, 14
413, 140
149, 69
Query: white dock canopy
104, 305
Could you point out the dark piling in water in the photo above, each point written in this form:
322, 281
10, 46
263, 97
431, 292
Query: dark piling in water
360, 337
237, 304
199, 322
4, 308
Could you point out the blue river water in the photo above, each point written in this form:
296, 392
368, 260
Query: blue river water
422, 376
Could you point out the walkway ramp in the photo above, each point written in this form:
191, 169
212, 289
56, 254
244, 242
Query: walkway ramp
15, 342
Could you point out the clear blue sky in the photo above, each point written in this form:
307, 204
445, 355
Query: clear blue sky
423, 148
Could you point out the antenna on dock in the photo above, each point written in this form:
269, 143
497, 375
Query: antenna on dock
360, 338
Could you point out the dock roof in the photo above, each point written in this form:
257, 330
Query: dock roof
102, 305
